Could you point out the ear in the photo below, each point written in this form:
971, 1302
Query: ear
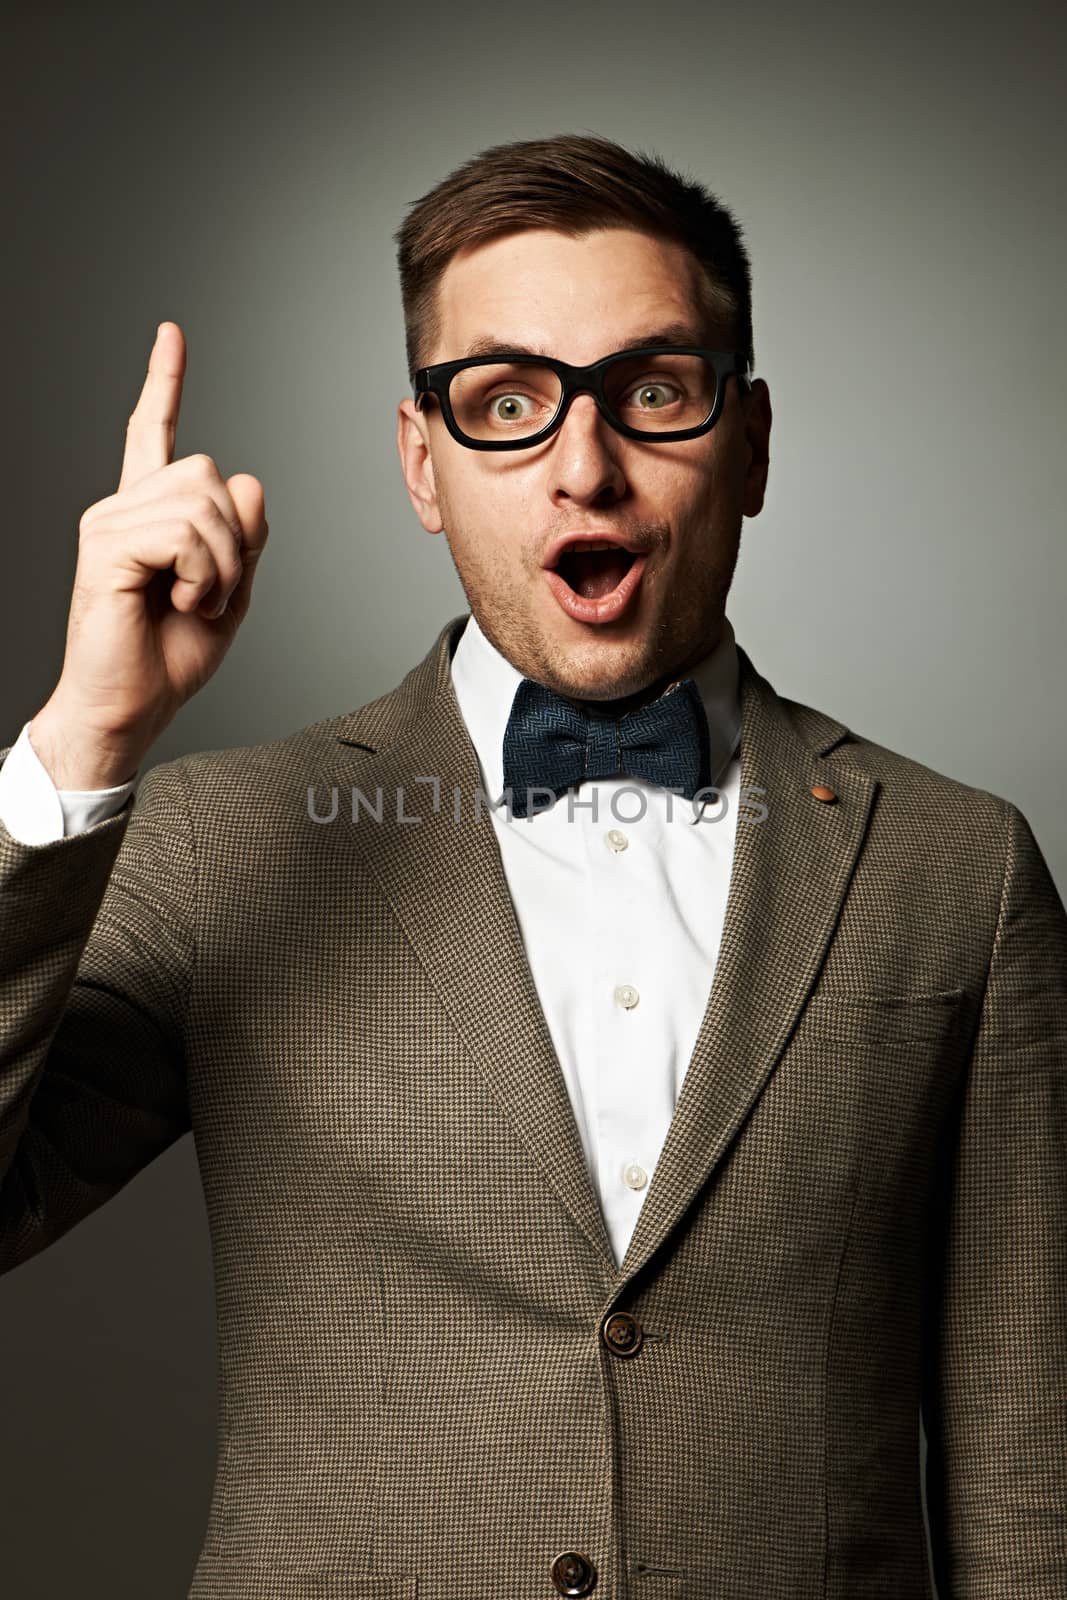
413, 443
757, 414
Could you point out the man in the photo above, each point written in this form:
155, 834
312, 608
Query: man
622, 1094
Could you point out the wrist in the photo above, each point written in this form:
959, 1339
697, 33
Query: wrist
76, 757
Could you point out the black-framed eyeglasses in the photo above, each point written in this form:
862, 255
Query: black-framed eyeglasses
511, 401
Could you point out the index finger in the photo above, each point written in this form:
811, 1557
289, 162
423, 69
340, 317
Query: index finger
153, 422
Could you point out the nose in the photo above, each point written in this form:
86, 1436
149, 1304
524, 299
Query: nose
584, 458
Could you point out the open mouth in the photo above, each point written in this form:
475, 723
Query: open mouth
596, 580
594, 571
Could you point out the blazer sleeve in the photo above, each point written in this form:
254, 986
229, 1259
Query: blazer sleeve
97, 943
995, 1363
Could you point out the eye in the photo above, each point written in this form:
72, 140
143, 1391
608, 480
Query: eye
655, 395
507, 407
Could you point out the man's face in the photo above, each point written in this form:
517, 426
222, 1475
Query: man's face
679, 503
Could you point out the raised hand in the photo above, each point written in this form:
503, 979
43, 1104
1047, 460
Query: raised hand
163, 581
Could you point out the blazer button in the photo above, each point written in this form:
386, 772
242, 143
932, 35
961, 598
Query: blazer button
622, 1333
573, 1573
823, 791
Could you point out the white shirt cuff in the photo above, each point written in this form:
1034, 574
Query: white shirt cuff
34, 811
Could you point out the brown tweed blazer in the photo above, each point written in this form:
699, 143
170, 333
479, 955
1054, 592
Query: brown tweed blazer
435, 1384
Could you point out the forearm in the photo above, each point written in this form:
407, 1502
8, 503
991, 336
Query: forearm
95, 946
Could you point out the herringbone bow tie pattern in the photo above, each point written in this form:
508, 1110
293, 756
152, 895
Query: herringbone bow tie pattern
550, 744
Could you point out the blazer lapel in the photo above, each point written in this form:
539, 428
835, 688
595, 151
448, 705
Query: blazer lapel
445, 882
790, 874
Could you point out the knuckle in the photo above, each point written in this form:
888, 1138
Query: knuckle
204, 464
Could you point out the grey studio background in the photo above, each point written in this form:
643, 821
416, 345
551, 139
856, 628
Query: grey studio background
241, 171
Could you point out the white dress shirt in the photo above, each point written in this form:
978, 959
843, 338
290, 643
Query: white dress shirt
621, 911
619, 891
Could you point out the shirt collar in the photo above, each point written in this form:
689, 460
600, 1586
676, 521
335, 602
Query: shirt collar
485, 683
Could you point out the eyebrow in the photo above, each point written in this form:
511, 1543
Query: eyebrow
671, 333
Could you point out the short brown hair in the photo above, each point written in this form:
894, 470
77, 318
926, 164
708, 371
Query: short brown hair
572, 183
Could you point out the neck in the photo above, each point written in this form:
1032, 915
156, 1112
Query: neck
626, 702
650, 691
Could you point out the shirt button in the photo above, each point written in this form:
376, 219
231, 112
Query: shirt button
627, 995
616, 839
633, 1175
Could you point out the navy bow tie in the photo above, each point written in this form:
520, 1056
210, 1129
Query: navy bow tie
550, 744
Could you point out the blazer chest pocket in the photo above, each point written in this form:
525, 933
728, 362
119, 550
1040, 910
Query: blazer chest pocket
229, 1577
868, 1078
868, 1018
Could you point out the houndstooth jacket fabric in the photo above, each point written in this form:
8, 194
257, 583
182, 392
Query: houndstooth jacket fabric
434, 1381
